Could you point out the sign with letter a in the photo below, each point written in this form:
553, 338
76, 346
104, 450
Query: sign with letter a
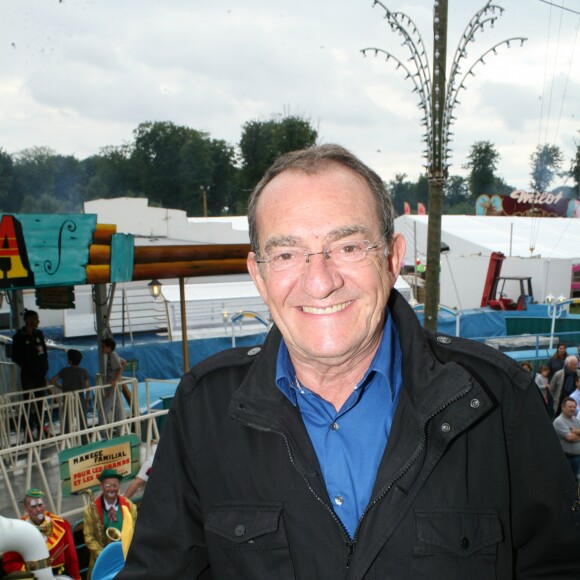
15, 268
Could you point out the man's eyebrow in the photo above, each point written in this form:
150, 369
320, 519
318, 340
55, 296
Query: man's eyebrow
332, 236
281, 241
346, 231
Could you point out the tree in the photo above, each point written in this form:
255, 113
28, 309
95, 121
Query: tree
546, 165
456, 190
46, 182
264, 141
109, 174
575, 171
6, 172
482, 163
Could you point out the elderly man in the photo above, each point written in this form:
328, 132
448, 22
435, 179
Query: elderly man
567, 427
563, 383
57, 534
353, 444
103, 518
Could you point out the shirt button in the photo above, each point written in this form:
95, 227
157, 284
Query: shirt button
335, 426
338, 500
240, 530
464, 543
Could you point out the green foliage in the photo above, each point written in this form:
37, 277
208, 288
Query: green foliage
402, 190
6, 173
482, 163
546, 162
575, 171
264, 141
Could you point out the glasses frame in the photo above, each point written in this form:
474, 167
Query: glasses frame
327, 253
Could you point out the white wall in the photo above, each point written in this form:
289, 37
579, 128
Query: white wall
467, 274
132, 215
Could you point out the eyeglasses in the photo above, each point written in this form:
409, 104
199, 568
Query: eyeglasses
344, 255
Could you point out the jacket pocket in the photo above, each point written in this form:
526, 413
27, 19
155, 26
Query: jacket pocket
248, 540
455, 544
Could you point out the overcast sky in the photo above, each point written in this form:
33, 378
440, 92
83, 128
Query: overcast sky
78, 75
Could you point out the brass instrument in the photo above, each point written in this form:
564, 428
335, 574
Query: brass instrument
102, 537
113, 535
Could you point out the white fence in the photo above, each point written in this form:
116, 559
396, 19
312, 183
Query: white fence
29, 457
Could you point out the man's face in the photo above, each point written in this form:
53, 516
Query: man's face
572, 365
35, 509
569, 409
110, 488
327, 314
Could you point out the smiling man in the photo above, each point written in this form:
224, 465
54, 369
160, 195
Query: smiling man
353, 444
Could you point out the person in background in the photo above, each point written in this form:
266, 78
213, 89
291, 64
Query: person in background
105, 512
353, 443
30, 354
111, 395
141, 478
576, 395
567, 426
73, 378
557, 362
57, 533
527, 366
544, 384
563, 382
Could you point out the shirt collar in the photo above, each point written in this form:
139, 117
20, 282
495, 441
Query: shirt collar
386, 362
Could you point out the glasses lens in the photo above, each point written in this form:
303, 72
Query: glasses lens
344, 253
287, 259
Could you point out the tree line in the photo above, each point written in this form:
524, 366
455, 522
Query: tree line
178, 167
547, 163
172, 165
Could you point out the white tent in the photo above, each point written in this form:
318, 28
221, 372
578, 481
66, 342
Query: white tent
544, 248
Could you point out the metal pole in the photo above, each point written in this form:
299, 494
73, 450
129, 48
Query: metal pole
183, 325
437, 173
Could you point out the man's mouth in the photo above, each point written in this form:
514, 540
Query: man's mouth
328, 310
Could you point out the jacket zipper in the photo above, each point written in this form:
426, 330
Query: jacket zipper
413, 459
349, 543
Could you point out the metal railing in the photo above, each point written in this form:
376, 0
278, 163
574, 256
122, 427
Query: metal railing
64, 422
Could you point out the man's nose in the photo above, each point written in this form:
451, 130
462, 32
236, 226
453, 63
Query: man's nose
320, 277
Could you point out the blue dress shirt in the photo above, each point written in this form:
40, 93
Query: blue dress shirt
350, 443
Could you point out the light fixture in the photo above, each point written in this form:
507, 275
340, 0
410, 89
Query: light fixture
550, 298
154, 288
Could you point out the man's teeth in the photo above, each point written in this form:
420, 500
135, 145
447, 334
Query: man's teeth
329, 310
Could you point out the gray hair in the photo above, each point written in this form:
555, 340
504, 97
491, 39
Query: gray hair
314, 160
569, 359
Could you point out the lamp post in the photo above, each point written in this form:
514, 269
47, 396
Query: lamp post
438, 97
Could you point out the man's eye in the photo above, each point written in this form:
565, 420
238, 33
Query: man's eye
284, 256
352, 248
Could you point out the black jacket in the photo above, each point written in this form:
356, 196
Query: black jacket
473, 483
30, 354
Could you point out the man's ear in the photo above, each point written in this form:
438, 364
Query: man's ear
255, 271
396, 257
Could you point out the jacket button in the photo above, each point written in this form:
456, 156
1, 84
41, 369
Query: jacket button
464, 543
254, 351
446, 427
240, 530
474, 403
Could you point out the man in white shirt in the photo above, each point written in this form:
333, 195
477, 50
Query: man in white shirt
567, 427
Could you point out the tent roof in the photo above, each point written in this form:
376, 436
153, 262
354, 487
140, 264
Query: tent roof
512, 235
